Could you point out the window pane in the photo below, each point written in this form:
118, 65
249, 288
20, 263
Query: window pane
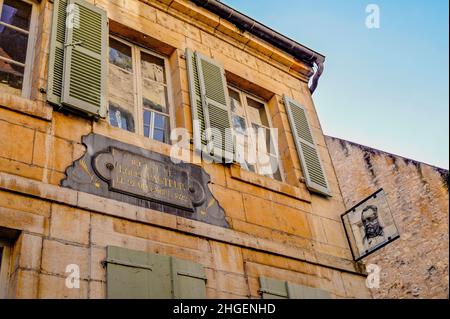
154, 96
11, 77
235, 100
13, 44
120, 55
152, 68
147, 117
257, 112
239, 124
121, 118
16, 13
120, 80
161, 128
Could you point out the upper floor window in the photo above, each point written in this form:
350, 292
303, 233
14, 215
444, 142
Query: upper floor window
251, 124
139, 90
16, 43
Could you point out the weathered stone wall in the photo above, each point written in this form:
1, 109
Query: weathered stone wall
416, 265
277, 229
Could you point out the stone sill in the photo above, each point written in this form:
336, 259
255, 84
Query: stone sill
16, 103
237, 172
66, 196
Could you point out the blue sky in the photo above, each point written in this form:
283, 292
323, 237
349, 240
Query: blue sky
386, 88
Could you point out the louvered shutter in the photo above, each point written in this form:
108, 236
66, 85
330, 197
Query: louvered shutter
304, 292
56, 56
134, 274
306, 148
198, 120
85, 60
208, 86
272, 288
188, 280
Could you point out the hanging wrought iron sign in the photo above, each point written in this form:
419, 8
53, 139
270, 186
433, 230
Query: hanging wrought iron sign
369, 225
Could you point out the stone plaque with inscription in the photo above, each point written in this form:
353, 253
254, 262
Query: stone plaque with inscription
127, 173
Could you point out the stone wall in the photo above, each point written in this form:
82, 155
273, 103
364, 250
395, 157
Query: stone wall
416, 265
278, 229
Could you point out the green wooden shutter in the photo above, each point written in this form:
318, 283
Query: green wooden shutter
280, 289
85, 60
188, 280
137, 275
56, 56
196, 100
304, 292
208, 86
273, 289
306, 148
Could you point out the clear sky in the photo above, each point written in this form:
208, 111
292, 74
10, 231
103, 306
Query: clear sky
386, 88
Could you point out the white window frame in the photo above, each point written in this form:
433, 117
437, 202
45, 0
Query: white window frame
243, 95
28, 65
138, 113
4, 268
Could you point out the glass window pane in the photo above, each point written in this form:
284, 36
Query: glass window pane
120, 77
235, 101
154, 96
120, 55
152, 68
13, 44
160, 121
11, 77
16, 13
257, 112
159, 135
239, 124
121, 118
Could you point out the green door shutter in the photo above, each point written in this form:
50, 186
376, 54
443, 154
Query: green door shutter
85, 60
306, 148
137, 275
304, 292
188, 280
272, 288
56, 56
208, 86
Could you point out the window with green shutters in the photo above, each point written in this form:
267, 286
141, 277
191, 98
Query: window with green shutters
210, 106
306, 148
279, 289
134, 274
78, 57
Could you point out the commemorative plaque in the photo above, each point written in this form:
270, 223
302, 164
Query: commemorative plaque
369, 225
127, 173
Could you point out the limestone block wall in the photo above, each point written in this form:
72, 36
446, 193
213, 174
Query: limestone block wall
279, 229
416, 265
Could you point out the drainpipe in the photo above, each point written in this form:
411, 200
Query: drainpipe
245, 23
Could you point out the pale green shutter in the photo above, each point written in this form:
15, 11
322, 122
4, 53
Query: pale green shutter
273, 289
304, 292
208, 86
306, 148
188, 280
280, 289
56, 56
137, 275
196, 100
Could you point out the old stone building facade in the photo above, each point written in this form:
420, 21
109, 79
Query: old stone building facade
416, 264
89, 92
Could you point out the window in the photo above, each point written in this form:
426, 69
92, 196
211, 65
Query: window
139, 91
253, 135
16, 44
